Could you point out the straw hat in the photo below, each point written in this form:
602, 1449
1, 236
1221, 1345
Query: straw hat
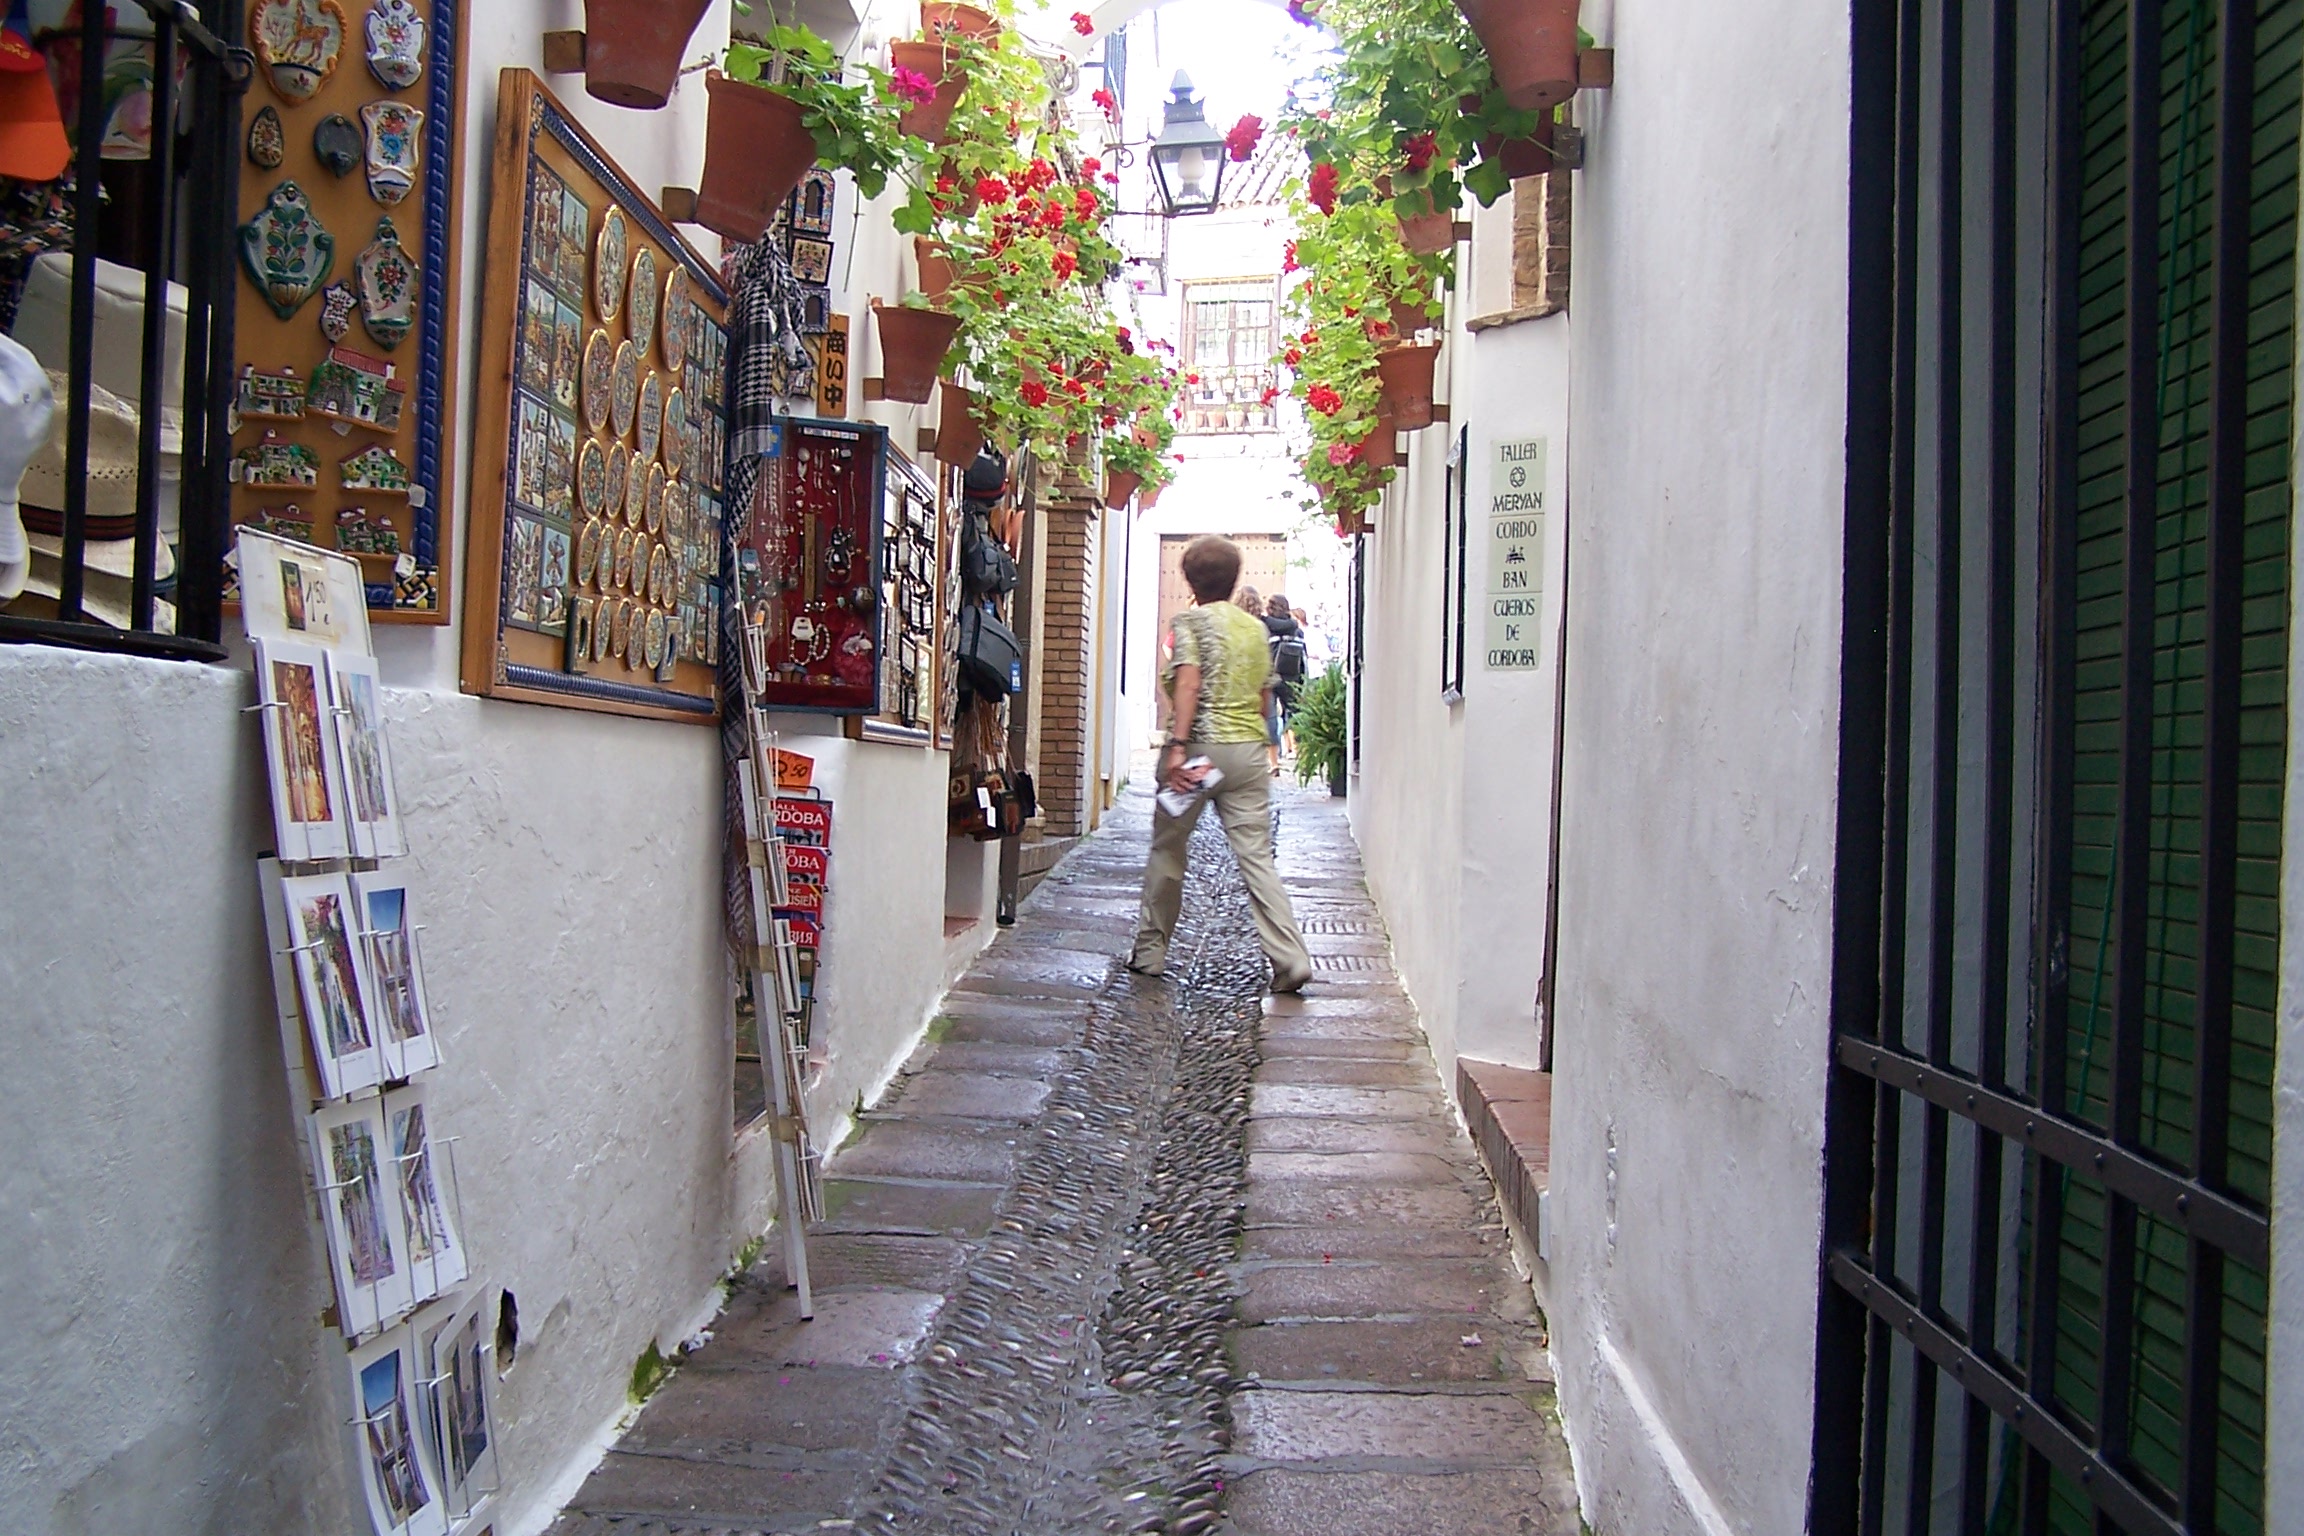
112, 429
108, 565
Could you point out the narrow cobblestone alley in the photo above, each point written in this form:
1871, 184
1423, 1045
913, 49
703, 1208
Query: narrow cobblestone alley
1121, 1254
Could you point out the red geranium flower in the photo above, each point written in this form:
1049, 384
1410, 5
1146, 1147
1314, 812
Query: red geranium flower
1324, 400
1322, 189
1113, 177
1310, 338
1034, 392
991, 189
1065, 264
1106, 100
910, 84
1090, 165
1271, 393
1076, 389
1420, 149
1288, 257
1291, 357
1084, 204
1083, 23
1241, 141
1052, 216
1191, 378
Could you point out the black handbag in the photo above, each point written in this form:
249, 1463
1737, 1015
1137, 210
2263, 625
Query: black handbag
991, 658
986, 570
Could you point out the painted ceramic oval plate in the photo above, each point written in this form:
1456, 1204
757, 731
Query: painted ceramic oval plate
626, 397
619, 466
599, 380
651, 414
592, 477
621, 636
655, 645
608, 252
674, 320
635, 489
655, 508
588, 553
675, 432
641, 300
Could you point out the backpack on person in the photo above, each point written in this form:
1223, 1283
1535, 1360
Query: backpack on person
1289, 656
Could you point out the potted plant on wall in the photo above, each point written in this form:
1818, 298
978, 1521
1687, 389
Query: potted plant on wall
1322, 744
914, 337
1531, 47
781, 106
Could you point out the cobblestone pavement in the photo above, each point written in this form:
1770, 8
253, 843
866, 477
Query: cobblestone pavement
1133, 1255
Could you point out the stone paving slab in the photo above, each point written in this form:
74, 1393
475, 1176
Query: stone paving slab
1344, 1072
1367, 1167
1381, 1240
969, 1095
694, 1491
996, 1028
1355, 1104
1321, 1202
1297, 1133
913, 1150
1412, 1285
994, 1056
1359, 1427
881, 1329
1277, 1048
917, 1207
1503, 1501
756, 1418
1398, 1354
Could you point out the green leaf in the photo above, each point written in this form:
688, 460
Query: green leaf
1487, 182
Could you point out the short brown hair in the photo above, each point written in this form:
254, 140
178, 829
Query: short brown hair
1245, 597
1211, 567
1277, 605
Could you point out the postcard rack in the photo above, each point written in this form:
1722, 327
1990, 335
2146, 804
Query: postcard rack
363, 1055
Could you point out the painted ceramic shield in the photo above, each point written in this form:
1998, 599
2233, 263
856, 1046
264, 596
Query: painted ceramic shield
395, 148
297, 43
285, 249
674, 320
387, 284
592, 477
625, 396
395, 43
267, 141
608, 264
599, 379
651, 414
337, 302
641, 320
619, 466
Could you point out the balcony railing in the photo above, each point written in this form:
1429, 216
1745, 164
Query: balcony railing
117, 577
1230, 399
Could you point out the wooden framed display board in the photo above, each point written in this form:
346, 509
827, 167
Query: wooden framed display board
915, 551
350, 169
598, 436
812, 566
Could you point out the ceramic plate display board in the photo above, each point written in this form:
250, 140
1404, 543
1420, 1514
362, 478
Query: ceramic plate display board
595, 514
346, 336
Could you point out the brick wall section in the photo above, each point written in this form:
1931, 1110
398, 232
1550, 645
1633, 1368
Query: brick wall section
1067, 637
1540, 231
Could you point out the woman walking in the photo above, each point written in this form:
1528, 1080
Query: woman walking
1219, 683
1287, 640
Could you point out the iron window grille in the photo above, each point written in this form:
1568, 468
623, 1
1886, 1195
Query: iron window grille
1228, 330
2064, 738
174, 220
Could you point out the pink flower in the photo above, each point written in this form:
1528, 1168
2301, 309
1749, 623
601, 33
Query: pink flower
1341, 454
1305, 11
1084, 24
912, 85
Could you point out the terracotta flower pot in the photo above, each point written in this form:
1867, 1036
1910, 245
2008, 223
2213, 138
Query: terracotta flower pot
1148, 497
1119, 485
938, 17
633, 48
756, 149
937, 274
1406, 376
912, 347
1428, 234
1380, 449
939, 63
959, 435
1531, 47
1408, 317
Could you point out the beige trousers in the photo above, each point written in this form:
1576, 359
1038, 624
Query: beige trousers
1244, 801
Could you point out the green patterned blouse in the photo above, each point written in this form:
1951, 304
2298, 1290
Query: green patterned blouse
1228, 644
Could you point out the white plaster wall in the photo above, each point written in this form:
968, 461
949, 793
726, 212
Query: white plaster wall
568, 867
1707, 472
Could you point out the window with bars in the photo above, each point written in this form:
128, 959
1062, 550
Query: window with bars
1228, 355
2065, 738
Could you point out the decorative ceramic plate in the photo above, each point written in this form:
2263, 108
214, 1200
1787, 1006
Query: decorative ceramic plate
644, 571
676, 511
625, 401
599, 380
641, 322
636, 640
619, 466
663, 575
675, 318
655, 510
625, 545
635, 490
298, 43
592, 477
655, 644
675, 428
651, 414
621, 636
604, 630
588, 553
608, 264
268, 146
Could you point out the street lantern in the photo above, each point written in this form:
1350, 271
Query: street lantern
1188, 157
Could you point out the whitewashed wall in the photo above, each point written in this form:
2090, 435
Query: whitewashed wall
160, 1260
1706, 472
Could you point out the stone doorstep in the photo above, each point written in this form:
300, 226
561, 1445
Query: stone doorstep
1509, 1112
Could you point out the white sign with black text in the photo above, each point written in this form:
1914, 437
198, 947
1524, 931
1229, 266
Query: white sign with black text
1516, 501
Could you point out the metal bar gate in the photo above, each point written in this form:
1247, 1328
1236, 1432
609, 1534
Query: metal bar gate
2071, 361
